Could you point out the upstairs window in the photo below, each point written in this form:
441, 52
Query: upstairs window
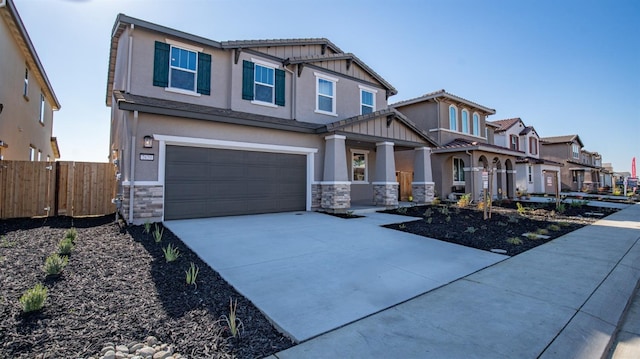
458, 171
42, 107
476, 124
367, 100
32, 153
359, 166
262, 83
575, 149
465, 121
39, 155
513, 143
533, 145
453, 118
530, 173
181, 68
325, 94
25, 91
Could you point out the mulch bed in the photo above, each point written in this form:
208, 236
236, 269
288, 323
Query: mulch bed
467, 227
118, 288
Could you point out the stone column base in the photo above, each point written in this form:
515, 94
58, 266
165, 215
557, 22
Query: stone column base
336, 197
385, 194
423, 193
148, 204
316, 196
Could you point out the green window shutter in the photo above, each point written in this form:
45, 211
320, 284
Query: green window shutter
161, 64
279, 87
247, 80
204, 73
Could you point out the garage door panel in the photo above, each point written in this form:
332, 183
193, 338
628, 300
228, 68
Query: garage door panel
205, 182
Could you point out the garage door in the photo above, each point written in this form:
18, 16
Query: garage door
206, 182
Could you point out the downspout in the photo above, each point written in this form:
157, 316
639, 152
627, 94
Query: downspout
129, 55
439, 119
133, 164
472, 179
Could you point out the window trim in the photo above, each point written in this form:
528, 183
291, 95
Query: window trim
476, 126
465, 121
460, 161
25, 90
42, 108
453, 122
334, 81
353, 152
517, 142
533, 144
32, 153
269, 65
530, 173
373, 92
186, 47
574, 147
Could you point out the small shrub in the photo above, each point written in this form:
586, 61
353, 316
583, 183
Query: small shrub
402, 226
514, 240
429, 220
171, 253
234, 324
71, 234
564, 224
542, 231
448, 219
5, 243
471, 230
402, 210
553, 227
54, 264
33, 299
147, 227
428, 213
561, 207
65, 246
532, 236
435, 201
464, 200
444, 210
192, 274
521, 209
157, 234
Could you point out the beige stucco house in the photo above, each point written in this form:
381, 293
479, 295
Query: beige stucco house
203, 128
533, 173
27, 99
465, 145
582, 170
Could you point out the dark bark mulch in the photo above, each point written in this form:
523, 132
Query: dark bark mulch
467, 226
118, 288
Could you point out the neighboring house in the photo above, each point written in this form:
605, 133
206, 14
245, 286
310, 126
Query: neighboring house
533, 174
27, 100
465, 145
202, 128
582, 169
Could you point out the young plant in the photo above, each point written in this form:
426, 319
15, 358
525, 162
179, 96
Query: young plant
471, 230
444, 210
157, 234
171, 253
429, 220
147, 227
5, 243
514, 240
54, 264
428, 213
542, 231
71, 234
560, 207
192, 274
33, 299
532, 236
553, 227
521, 209
402, 226
65, 246
402, 210
448, 219
435, 201
464, 200
233, 322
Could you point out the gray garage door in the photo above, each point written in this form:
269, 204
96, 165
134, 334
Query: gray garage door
207, 182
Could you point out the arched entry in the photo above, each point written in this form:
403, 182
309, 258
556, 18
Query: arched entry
498, 182
510, 179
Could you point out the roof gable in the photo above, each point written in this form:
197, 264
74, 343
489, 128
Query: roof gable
503, 125
562, 139
443, 94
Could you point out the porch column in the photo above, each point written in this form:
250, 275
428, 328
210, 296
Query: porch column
422, 187
511, 184
385, 186
335, 185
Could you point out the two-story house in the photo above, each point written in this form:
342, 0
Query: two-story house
27, 100
465, 149
582, 169
202, 128
533, 173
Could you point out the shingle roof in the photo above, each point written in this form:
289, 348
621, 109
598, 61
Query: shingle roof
445, 94
461, 144
527, 130
534, 160
503, 125
561, 139
233, 44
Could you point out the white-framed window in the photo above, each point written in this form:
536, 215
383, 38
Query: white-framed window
264, 84
575, 149
453, 118
48, 158
465, 121
39, 155
476, 124
25, 91
458, 171
183, 67
32, 153
367, 100
533, 145
326, 94
513, 142
359, 166
42, 107
530, 173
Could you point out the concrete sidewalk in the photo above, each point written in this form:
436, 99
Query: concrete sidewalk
564, 299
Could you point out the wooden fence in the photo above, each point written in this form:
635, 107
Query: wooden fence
40, 189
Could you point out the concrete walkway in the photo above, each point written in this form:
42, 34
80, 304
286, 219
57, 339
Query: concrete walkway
564, 299
311, 273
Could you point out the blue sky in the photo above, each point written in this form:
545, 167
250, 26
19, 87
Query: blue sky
564, 67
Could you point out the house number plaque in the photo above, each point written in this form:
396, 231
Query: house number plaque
146, 157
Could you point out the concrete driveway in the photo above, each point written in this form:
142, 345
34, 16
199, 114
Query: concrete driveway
311, 273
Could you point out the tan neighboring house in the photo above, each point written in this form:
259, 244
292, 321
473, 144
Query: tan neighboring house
533, 173
582, 170
202, 128
27, 100
465, 145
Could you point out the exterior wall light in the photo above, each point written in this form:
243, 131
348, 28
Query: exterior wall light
148, 142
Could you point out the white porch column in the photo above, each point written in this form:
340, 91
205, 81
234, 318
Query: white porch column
422, 187
335, 185
385, 186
